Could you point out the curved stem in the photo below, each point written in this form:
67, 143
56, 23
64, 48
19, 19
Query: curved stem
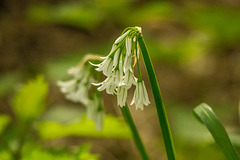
128, 118
162, 116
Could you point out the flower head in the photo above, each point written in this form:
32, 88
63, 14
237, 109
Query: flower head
140, 97
77, 90
118, 68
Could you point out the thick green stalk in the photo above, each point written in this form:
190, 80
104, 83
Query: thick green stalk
128, 118
162, 116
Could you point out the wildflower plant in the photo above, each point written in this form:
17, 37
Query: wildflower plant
118, 68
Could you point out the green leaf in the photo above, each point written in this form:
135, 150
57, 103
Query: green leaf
113, 128
30, 101
39, 154
205, 115
83, 153
4, 120
5, 155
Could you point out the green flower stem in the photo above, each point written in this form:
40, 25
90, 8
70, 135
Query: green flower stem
162, 116
128, 118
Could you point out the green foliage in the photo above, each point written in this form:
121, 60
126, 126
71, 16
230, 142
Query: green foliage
5, 155
179, 51
79, 153
206, 116
4, 120
83, 153
20, 142
67, 14
222, 23
152, 11
113, 128
29, 103
113, 8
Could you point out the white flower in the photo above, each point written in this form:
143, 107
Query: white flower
140, 96
74, 90
95, 111
119, 39
128, 46
103, 85
128, 79
121, 96
116, 58
110, 83
77, 88
109, 63
106, 66
80, 95
127, 63
68, 86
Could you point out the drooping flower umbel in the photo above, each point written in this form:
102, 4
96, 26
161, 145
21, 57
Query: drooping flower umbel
77, 90
118, 66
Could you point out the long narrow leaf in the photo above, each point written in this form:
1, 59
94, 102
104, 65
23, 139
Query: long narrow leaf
205, 114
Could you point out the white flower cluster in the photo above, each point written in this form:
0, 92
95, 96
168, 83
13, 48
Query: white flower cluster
118, 67
77, 90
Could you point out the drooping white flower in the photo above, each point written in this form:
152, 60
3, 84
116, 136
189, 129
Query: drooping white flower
105, 84
121, 96
106, 66
75, 90
110, 83
128, 46
109, 63
128, 79
127, 63
95, 111
79, 95
140, 97
68, 86
116, 58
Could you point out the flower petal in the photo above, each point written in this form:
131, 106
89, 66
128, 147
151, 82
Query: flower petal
128, 46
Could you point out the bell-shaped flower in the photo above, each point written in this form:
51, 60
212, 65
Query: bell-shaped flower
110, 83
121, 96
68, 86
128, 46
95, 111
116, 58
75, 90
106, 66
127, 63
128, 79
140, 97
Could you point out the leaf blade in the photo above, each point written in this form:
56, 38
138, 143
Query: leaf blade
205, 115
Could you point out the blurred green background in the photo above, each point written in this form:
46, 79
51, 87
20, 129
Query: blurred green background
195, 49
